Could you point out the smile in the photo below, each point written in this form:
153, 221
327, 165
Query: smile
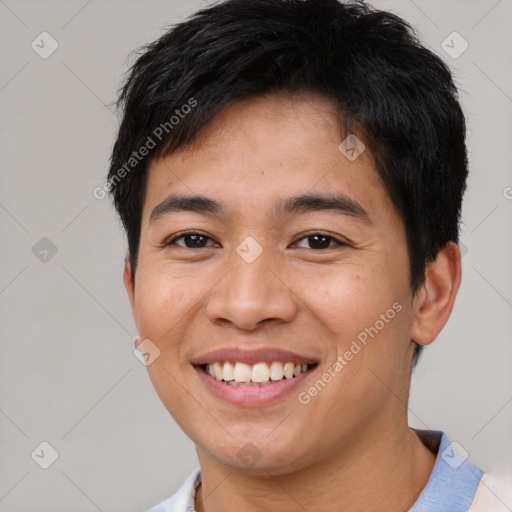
259, 374
246, 392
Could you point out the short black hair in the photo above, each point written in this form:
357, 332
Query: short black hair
385, 86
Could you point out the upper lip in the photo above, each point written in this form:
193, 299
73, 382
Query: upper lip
253, 356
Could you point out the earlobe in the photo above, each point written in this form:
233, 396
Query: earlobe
434, 302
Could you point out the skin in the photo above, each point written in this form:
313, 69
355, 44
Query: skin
349, 448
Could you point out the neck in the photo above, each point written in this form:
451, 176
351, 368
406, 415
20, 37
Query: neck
380, 469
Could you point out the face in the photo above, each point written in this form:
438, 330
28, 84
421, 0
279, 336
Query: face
265, 279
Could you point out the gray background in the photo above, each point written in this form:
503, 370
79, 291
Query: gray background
68, 375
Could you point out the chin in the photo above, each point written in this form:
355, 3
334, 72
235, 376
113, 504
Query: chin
267, 454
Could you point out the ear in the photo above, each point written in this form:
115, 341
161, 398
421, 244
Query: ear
129, 282
433, 302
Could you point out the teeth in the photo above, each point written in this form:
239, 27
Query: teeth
242, 372
288, 370
276, 371
217, 371
260, 372
257, 374
229, 371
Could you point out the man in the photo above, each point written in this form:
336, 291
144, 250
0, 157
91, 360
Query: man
290, 176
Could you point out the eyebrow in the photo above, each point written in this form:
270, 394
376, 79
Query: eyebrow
295, 204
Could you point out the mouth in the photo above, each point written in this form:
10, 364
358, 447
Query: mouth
233, 382
238, 374
257, 377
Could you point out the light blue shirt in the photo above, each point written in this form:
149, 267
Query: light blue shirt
451, 487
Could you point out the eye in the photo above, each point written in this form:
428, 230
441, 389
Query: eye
321, 241
197, 240
191, 239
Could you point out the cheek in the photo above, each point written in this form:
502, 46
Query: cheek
365, 319
348, 299
164, 299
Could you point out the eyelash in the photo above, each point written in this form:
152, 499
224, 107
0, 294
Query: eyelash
339, 243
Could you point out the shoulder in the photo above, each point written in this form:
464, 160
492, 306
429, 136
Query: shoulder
493, 494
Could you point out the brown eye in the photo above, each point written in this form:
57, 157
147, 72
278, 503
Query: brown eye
191, 240
321, 241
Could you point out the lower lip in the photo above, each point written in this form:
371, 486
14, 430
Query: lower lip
251, 396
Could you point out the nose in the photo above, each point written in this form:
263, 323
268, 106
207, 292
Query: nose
252, 293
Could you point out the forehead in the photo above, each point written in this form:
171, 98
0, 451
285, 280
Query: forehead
262, 150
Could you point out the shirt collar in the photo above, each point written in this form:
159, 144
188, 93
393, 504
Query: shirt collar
453, 481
